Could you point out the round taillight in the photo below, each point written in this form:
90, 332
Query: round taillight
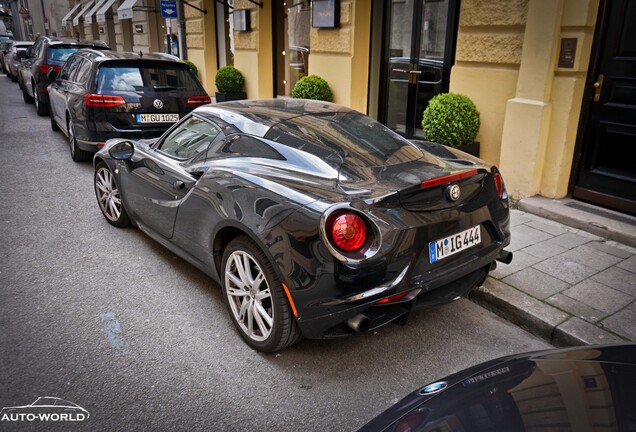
348, 231
499, 184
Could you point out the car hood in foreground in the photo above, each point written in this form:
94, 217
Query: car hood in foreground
582, 389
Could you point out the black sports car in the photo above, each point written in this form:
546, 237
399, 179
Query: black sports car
591, 388
315, 219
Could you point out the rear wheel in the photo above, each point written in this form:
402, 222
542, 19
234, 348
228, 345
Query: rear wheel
109, 198
77, 153
14, 78
255, 298
27, 99
41, 108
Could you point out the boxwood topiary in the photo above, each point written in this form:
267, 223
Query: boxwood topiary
193, 67
451, 119
312, 87
229, 80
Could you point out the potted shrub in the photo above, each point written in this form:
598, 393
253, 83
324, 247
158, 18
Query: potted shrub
452, 119
312, 87
229, 81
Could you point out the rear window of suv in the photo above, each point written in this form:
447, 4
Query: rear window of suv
63, 52
146, 78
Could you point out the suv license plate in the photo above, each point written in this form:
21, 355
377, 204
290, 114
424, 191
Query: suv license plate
448, 246
157, 118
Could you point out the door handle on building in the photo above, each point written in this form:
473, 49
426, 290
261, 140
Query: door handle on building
413, 75
598, 87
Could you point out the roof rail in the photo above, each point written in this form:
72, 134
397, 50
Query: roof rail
168, 56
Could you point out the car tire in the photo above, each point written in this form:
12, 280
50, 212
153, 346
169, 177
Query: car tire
255, 298
41, 108
108, 197
54, 125
27, 99
77, 154
14, 78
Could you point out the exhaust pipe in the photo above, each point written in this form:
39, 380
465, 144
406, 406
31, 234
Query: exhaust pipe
505, 257
360, 323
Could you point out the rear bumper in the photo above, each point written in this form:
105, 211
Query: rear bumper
437, 289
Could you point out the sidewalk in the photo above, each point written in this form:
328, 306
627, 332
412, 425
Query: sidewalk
566, 285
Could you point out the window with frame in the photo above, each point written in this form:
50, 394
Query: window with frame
190, 138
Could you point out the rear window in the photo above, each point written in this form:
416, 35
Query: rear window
146, 78
61, 53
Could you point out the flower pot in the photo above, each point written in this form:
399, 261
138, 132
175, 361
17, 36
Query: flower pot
226, 97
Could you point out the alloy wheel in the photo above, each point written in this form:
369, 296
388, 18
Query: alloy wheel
108, 194
249, 295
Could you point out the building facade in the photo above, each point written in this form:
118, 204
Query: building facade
554, 80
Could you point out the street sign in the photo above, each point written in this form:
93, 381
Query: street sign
168, 9
23, 11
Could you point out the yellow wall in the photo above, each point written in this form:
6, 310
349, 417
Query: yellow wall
507, 52
201, 41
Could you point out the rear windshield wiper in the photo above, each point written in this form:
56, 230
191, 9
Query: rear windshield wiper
159, 88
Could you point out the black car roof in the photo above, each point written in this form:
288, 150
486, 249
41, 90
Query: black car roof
257, 116
108, 55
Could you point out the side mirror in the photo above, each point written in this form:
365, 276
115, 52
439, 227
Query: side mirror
122, 151
51, 75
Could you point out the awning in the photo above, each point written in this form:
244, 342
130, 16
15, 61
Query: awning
86, 7
103, 10
88, 16
68, 16
125, 11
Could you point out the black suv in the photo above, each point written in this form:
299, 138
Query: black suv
100, 95
47, 52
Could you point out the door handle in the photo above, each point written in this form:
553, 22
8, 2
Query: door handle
178, 185
598, 87
400, 70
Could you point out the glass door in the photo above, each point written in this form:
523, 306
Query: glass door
418, 54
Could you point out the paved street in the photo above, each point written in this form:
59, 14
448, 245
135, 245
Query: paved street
110, 320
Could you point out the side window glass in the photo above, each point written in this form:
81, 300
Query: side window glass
69, 68
189, 139
83, 72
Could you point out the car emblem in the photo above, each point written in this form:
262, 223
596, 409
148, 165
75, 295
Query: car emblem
453, 192
434, 388
158, 104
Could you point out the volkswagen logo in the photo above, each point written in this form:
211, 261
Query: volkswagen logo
453, 192
158, 104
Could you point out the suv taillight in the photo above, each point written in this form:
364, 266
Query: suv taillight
199, 100
45, 68
347, 231
103, 101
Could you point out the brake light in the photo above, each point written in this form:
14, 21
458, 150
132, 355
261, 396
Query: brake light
45, 68
448, 179
347, 231
499, 184
199, 100
103, 101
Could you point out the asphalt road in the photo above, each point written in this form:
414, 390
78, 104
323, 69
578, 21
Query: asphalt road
110, 320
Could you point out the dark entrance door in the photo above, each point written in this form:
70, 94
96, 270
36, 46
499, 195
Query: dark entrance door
418, 52
606, 172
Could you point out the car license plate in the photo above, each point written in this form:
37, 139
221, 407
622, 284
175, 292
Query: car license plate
448, 246
157, 118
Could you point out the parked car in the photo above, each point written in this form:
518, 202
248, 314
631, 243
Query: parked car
14, 57
315, 219
100, 95
589, 388
46, 53
5, 47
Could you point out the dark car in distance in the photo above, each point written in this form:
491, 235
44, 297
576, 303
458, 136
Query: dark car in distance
47, 53
315, 219
99, 95
588, 388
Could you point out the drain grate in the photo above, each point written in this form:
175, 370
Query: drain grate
601, 212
